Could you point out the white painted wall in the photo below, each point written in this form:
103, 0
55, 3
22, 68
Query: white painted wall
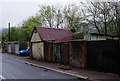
9, 48
35, 37
37, 50
37, 47
16, 48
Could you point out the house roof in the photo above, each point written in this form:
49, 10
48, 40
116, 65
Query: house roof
52, 33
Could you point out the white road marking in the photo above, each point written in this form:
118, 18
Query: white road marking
2, 77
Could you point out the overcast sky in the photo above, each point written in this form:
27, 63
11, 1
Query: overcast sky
15, 11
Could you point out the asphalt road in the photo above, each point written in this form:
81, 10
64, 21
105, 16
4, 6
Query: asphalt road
13, 69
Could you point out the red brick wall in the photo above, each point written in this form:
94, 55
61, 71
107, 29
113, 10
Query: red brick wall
78, 51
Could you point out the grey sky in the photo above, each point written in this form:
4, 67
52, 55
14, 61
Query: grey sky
15, 11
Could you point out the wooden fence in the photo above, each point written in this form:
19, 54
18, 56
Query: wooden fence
103, 55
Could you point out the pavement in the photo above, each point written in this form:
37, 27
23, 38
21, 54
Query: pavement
72, 71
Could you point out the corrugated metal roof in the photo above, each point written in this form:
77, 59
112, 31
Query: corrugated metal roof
63, 40
53, 33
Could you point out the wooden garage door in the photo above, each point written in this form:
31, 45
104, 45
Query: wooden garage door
37, 51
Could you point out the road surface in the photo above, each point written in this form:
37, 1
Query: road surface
13, 69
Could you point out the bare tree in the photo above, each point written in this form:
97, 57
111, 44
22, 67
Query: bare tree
58, 18
102, 15
72, 16
90, 14
117, 16
46, 15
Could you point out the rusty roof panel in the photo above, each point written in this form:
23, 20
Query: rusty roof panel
63, 40
53, 33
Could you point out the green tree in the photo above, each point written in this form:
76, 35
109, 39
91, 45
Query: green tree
14, 35
4, 37
27, 27
72, 28
23, 32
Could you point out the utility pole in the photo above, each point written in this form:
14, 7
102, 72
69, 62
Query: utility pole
8, 31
